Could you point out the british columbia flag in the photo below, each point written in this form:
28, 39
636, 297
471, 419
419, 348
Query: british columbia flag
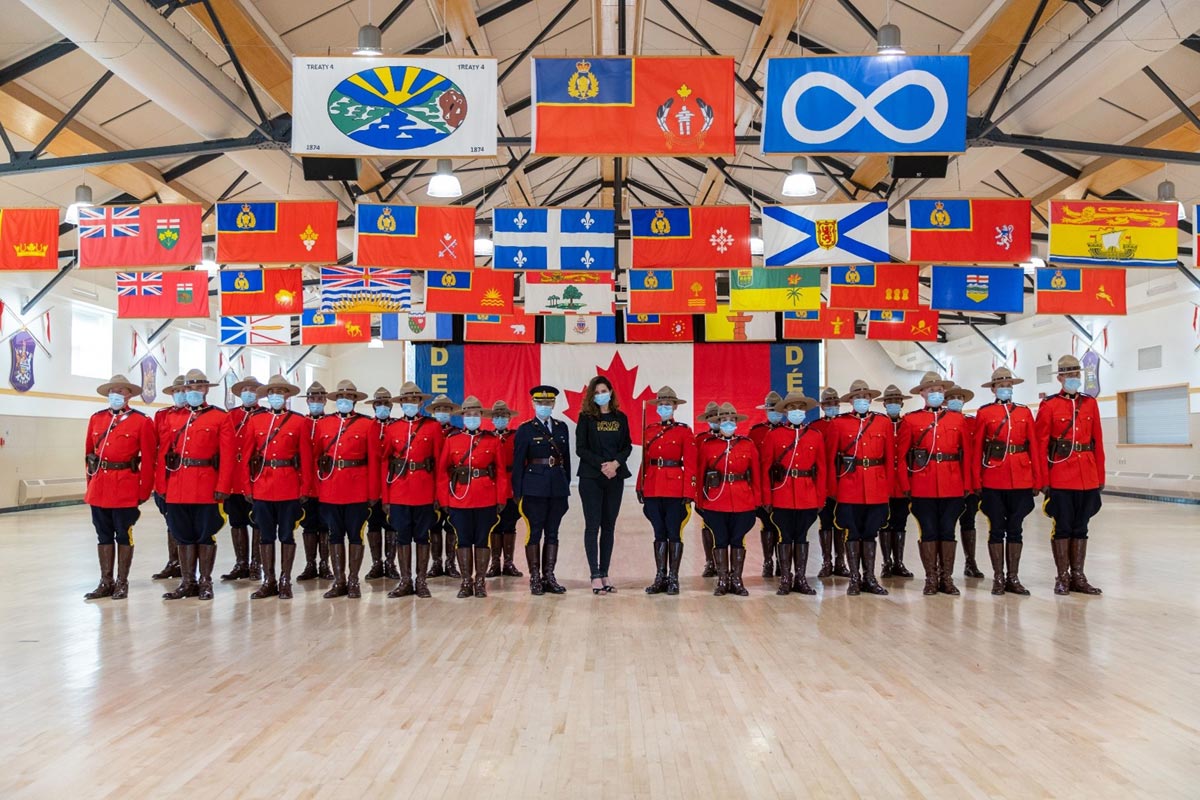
139, 284
100, 222
350, 289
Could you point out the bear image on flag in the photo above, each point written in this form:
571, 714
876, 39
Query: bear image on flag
553, 239
829, 233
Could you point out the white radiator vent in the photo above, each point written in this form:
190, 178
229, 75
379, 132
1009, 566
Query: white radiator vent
50, 490
1045, 374
1150, 357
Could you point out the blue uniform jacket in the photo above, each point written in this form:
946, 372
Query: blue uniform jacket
537, 441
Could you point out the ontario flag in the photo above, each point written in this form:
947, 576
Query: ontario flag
515, 328
416, 327
1090, 292
139, 236
296, 232
473, 291
955, 231
881, 286
162, 295
28, 239
827, 323
261, 291
658, 327
318, 327
672, 291
633, 106
414, 237
903, 326
273, 331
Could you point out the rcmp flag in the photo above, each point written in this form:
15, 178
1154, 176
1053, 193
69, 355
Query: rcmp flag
875, 286
728, 325
416, 327
658, 327
296, 232
533, 239
694, 237
1092, 292
28, 239
580, 329
827, 323
903, 326
633, 106
261, 291
1109, 233
162, 295
139, 236
348, 289
775, 289
414, 237
569, 293
679, 291
831, 233
517, 327
473, 291
318, 327
260, 331
997, 289
950, 231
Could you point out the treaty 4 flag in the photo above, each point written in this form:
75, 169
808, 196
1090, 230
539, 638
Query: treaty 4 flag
999, 290
293, 232
692, 237
1092, 292
534, 239
28, 239
139, 236
414, 237
958, 231
162, 295
829, 233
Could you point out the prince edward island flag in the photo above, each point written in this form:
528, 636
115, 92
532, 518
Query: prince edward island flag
830, 233
553, 239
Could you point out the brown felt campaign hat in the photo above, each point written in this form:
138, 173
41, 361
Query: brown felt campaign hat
315, 388
442, 403
931, 380
347, 389
276, 382
1002, 375
176, 385
382, 395
410, 389
772, 400
1069, 364
667, 395
246, 383
796, 400
892, 392
959, 391
118, 383
501, 409
830, 395
860, 387
196, 378
727, 410
471, 407
708, 413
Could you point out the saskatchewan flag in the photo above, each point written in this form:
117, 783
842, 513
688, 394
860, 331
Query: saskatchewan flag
759, 289
580, 329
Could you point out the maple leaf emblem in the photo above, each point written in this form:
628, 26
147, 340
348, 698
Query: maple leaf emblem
624, 382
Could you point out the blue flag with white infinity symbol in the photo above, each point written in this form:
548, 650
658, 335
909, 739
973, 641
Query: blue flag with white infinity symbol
866, 104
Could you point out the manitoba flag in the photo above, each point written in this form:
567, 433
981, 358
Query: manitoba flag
29, 239
1091, 292
139, 236
828, 323
162, 295
298, 232
875, 286
695, 237
672, 291
903, 326
414, 237
261, 291
658, 327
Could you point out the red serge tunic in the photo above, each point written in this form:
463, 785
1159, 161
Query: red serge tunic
487, 481
281, 439
351, 475
116, 439
1022, 464
944, 434
738, 473
411, 447
240, 419
1076, 421
204, 441
668, 461
793, 467
868, 439
896, 490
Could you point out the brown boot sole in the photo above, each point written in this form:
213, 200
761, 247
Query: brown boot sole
266, 590
309, 573
337, 590
511, 571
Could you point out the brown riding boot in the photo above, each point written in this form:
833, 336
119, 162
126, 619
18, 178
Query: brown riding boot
721, 557
767, 538
1012, 583
825, 537
337, 552
269, 587
1062, 565
171, 570
970, 568
660, 569
467, 588
996, 554
946, 578
187, 574
549, 561
454, 567
241, 564
869, 584
839, 555
124, 559
254, 569
435, 545
107, 554
323, 548
482, 555
497, 541
420, 585
287, 555
533, 556
389, 556
706, 538
510, 547
310, 557
929, 559
854, 549
737, 562
885, 548
353, 590
674, 556
405, 587
206, 554
785, 570
800, 581
898, 568
1079, 581
375, 543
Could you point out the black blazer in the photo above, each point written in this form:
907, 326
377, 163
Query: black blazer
587, 447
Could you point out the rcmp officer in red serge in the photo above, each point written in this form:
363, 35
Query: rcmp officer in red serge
541, 484
411, 447
237, 507
346, 450
442, 408
935, 474
314, 532
833, 549
119, 456
893, 532
956, 398
381, 539
504, 535
277, 469
195, 474
1069, 425
706, 428
794, 487
473, 485
768, 534
730, 492
861, 453
1009, 464
174, 391
666, 487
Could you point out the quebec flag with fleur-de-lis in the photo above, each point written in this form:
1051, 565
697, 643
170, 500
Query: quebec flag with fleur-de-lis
537, 239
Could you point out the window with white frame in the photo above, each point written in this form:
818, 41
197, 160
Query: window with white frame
193, 351
91, 342
260, 365
310, 375
1154, 416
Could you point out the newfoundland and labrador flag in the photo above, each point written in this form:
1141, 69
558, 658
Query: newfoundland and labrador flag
273, 331
692, 237
1000, 290
1090, 292
414, 237
139, 236
956, 231
633, 106
1107, 233
533, 239
829, 233
294, 232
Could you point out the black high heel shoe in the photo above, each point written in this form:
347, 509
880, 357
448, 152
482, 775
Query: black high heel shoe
608, 588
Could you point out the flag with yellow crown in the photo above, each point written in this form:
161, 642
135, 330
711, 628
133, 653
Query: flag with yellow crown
1106, 233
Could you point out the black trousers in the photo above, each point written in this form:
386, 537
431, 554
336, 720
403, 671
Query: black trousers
1005, 510
897, 521
730, 527
509, 517
966, 520
936, 517
377, 520
601, 501
237, 511
793, 524
345, 521
1071, 509
473, 525
313, 521
411, 523
276, 518
194, 523
768, 524
668, 517
114, 525
826, 514
542, 515
859, 522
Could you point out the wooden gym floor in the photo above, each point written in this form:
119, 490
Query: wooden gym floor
614, 696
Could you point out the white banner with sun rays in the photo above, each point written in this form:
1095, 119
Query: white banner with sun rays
394, 106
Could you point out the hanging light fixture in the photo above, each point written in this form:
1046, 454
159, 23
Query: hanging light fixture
370, 41
799, 183
483, 242
443, 183
1035, 260
83, 199
1166, 194
208, 258
888, 40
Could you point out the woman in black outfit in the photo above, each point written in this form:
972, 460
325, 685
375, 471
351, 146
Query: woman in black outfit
603, 446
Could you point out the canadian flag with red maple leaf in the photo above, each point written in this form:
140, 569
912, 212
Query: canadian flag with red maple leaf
624, 382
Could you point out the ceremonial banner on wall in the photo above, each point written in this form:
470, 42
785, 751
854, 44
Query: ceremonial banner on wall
695, 237
514, 328
866, 104
414, 237
261, 291
317, 327
265, 331
369, 290
22, 347
730, 325
162, 295
293, 232
1092, 292
903, 326
475, 291
416, 327
407, 107
149, 370
658, 327
139, 236
569, 293
634, 106
775, 289
1107, 233
829, 233
580, 329
28, 239
672, 291
997, 289
534, 239
828, 323
892, 286
956, 231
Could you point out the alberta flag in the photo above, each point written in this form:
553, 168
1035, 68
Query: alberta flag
553, 239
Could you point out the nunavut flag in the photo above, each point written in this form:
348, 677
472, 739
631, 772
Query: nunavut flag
1092, 292
261, 291
28, 239
827, 323
903, 326
414, 237
139, 236
633, 106
693, 237
775, 289
875, 286
658, 327
948, 231
162, 295
297, 232
517, 327
1108, 233
469, 291
666, 291
319, 327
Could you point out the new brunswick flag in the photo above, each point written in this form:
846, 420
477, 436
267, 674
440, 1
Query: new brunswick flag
1091, 292
414, 237
658, 328
875, 286
255, 292
694, 237
317, 327
473, 291
666, 291
139, 236
296, 232
775, 289
1107, 233
903, 326
28, 239
827, 323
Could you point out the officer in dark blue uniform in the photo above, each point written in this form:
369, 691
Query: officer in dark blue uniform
541, 483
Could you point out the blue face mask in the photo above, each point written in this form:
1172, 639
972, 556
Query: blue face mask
955, 405
666, 411
316, 408
1004, 393
409, 409
774, 417
344, 405
861, 405
178, 399
934, 399
1073, 385
276, 401
795, 416
442, 416
472, 423
249, 398
383, 412
714, 427
500, 423
116, 401
602, 398
543, 412
893, 409
830, 411
194, 398
728, 428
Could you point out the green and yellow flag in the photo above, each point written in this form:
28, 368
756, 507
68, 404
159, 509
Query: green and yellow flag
758, 289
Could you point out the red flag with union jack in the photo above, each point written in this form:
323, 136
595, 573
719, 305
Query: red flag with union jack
139, 236
162, 295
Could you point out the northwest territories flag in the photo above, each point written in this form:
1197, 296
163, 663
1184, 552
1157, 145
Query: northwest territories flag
831, 233
415, 327
997, 289
553, 239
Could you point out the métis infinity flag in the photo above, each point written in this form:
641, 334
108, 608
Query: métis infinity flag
473, 291
261, 291
633, 106
518, 328
658, 327
139, 236
269, 331
162, 295
827, 323
672, 291
1091, 292
369, 290
294, 232
416, 327
1000, 290
903, 326
1107, 233
318, 327
535, 239
28, 239
775, 289
569, 293
831, 233
414, 237
693, 237
866, 104
894, 286
956, 231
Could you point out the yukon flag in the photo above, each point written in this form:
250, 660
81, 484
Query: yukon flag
775, 289
580, 329
569, 293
